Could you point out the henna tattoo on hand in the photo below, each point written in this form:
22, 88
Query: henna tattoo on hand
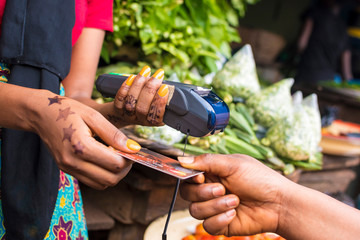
78, 148
130, 103
55, 99
63, 114
154, 115
68, 132
120, 98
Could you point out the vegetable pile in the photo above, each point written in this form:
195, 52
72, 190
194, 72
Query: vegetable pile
278, 129
176, 35
269, 124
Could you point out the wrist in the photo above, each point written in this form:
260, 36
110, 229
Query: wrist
36, 109
21, 107
288, 206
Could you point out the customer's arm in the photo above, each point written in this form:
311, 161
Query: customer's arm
259, 199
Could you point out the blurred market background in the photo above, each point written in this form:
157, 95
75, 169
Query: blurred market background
246, 51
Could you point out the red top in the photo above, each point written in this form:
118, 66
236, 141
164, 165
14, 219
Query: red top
88, 13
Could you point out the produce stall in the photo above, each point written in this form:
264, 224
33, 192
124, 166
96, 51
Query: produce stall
344, 98
276, 123
268, 122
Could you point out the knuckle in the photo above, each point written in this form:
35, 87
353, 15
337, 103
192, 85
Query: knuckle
111, 181
118, 104
141, 109
139, 83
208, 229
194, 210
68, 163
118, 167
151, 87
118, 136
120, 97
93, 114
99, 187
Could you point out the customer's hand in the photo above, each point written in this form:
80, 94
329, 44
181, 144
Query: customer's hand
68, 127
140, 100
252, 200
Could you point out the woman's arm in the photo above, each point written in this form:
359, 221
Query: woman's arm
84, 63
67, 126
346, 65
305, 35
135, 103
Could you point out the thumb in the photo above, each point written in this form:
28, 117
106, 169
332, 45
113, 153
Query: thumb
113, 136
217, 164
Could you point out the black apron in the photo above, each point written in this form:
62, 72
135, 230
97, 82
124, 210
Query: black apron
36, 41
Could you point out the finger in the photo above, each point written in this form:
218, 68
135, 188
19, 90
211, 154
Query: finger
147, 95
100, 155
157, 108
201, 192
96, 176
217, 225
109, 133
216, 164
135, 90
207, 209
89, 182
122, 93
196, 179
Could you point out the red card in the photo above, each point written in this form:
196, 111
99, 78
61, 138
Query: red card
160, 163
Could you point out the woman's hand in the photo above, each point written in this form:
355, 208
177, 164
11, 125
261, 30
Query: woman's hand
252, 200
68, 127
140, 100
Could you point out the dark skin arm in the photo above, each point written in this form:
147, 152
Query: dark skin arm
67, 127
240, 196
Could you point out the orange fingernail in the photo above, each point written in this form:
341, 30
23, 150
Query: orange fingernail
130, 80
145, 71
159, 74
163, 90
132, 145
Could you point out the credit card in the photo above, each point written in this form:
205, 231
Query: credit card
160, 163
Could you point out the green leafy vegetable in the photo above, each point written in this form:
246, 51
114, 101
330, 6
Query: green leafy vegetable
174, 34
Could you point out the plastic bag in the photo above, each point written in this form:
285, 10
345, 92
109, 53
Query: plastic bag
298, 137
272, 104
163, 134
238, 76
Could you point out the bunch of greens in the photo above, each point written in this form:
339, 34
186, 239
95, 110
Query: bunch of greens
175, 34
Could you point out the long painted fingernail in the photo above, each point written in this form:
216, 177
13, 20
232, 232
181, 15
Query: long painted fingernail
186, 159
132, 145
159, 74
145, 71
163, 90
130, 80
